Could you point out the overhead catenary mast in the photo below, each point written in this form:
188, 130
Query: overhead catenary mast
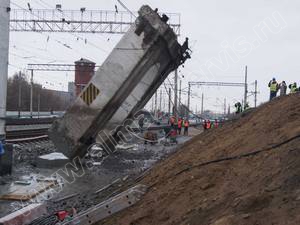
4, 47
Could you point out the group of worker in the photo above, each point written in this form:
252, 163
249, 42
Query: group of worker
207, 124
239, 108
179, 124
282, 88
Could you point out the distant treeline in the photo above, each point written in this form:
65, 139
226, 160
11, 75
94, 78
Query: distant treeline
18, 93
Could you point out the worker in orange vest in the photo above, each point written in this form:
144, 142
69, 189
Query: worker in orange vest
216, 124
179, 125
186, 127
208, 124
172, 121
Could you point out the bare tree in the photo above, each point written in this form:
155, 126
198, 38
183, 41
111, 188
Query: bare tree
18, 96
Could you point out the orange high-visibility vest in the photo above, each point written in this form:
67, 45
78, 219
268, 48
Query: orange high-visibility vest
179, 123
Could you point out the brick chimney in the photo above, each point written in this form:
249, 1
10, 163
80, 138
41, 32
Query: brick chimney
84, 71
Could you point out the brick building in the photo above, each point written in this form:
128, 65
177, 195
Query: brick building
84, 71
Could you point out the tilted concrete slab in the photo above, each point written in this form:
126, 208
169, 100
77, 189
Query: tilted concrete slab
125, 82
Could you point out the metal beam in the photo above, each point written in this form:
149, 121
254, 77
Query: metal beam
202, 83
109, 207
53, 67
76, 21
228, 84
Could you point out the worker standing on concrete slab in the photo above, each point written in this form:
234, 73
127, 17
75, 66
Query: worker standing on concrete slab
282, 88
293, 88
186, 127
185, 45
273, 85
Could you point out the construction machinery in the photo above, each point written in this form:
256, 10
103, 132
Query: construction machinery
121, 87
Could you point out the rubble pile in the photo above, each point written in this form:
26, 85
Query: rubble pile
246, 172
28, 152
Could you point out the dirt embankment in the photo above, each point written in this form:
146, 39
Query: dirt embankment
244, 173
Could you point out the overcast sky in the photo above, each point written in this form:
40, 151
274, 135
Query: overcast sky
224, 36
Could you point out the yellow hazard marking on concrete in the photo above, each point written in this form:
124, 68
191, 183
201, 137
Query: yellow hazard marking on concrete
90, 94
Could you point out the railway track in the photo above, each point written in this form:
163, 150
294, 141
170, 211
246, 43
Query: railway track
28, 121
27, 130
18, 136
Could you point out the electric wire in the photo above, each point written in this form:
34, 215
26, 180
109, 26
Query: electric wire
77, 36
56, 40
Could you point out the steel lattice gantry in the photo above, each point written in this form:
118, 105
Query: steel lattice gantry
52, 67
228, 84
76, 21
202, 83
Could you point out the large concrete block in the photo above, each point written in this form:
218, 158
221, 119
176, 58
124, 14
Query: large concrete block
127, 79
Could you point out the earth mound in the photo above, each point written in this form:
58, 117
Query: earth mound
244, 173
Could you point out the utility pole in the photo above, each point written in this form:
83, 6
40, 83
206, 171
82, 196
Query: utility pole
175, 92
20, 94
246, 87
4, 50
189, 99
170, 98
255, 94
202, 103
160, 100
155, 104
31, 95
179, 92
164, 104
152, 104
39, 103
224, 106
